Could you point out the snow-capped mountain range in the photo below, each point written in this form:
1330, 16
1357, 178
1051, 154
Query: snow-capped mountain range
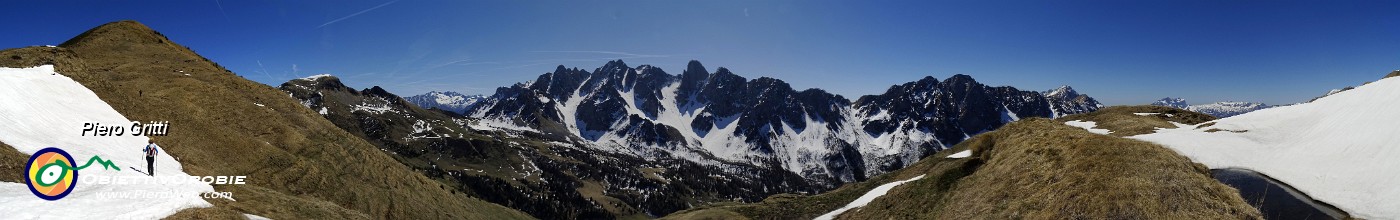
449, 101
440, 145
719, 117
1218, 109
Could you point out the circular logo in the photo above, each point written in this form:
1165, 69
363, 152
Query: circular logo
50, 173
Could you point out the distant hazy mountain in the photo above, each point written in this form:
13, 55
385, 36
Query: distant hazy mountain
448, 101
720, 117
1172, 102
1218, 109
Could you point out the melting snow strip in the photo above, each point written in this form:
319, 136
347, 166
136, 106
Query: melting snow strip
962, 154
867, 198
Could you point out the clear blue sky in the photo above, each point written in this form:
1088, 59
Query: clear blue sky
1121, 52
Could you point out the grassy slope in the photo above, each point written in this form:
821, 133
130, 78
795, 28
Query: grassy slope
1035, 168
791, 206
1122, 121
299, 165
488, 152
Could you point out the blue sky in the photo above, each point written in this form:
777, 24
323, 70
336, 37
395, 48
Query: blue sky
1120, 52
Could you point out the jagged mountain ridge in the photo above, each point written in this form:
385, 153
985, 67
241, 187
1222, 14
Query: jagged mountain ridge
1217, 109
547, 179
447, 101
722, 117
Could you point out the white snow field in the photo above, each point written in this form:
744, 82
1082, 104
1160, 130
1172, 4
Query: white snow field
961, 154
40, 109
1342, 149
867, 198
1088, 125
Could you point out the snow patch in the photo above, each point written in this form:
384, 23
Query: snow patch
961, 154
1007, 116
496, 125
315, 77
1088, 125
254, 217
1340, 149
867, 198
376, 105
43, 109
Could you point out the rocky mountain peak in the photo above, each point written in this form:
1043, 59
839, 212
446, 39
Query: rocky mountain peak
614, 65
1062, 91
378, 91
318, 82
694, 66
960, 79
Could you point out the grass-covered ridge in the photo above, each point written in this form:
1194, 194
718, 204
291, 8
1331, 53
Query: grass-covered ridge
299, 165
1140, 119
1034, 168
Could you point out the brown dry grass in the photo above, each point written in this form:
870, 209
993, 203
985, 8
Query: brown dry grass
12, 164
1042, 169
1031, 169
299, 165
1122, 121
207, 213
708, 214
790, 206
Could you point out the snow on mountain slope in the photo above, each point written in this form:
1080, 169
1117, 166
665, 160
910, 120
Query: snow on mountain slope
40, 109
1340, 149
867, 198
720, 117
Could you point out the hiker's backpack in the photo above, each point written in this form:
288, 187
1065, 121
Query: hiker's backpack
151, 150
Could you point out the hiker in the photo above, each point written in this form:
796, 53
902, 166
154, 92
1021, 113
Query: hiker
151, 150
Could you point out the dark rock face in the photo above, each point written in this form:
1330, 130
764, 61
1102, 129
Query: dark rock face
953, 110
722, 117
